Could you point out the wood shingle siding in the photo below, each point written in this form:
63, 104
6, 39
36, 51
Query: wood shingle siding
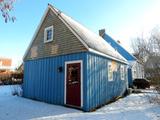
64, 41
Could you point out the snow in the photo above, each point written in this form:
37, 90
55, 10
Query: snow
134, 106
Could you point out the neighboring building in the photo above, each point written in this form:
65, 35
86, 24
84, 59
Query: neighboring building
67, 64
5, 64
138, 68
135, 68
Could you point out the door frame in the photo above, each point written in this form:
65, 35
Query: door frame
65, 81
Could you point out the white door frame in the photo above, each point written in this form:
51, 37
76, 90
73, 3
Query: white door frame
65, 80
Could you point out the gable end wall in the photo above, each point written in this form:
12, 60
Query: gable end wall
64, 41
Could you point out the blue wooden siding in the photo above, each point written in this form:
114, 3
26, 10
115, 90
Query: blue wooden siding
43, 82
128, 56
99, 89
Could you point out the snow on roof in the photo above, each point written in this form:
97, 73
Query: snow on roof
92, 40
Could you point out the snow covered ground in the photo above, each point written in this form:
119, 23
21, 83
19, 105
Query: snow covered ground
133, 107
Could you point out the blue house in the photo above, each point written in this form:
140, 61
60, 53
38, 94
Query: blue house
67, 64
135, 68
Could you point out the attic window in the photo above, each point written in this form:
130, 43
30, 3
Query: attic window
48, 34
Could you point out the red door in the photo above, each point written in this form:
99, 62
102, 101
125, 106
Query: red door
73, 84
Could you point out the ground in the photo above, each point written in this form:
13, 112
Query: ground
134, 106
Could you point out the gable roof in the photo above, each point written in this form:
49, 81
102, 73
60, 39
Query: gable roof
90, 40
128, 56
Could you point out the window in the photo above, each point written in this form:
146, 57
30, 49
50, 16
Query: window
122, 72
110, 72
73, 74
126, 73
48, 34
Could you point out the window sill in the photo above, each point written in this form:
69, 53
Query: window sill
48, 41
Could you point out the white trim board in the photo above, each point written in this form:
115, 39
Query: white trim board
110, 57
65, 90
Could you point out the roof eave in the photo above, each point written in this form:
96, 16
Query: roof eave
108, 56
50, 7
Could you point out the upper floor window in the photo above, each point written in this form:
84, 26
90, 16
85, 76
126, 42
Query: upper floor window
48, 34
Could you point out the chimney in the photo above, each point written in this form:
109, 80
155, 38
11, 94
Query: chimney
119, 41
102, 32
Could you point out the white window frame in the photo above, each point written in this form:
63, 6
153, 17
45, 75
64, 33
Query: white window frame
45, 34
122, 71
110, 68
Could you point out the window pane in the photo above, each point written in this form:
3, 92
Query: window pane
122, 72
110, 72
49, 34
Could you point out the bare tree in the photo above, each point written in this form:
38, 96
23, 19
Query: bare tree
149, 51
147, 48
155, 39
6, 6
154, 58
140, 48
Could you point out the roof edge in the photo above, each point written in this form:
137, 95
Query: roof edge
40, 24
58, 13
108, 56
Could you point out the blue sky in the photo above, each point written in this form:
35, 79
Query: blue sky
122, 19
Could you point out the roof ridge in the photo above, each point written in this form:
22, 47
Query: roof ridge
68, 25
90, 40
